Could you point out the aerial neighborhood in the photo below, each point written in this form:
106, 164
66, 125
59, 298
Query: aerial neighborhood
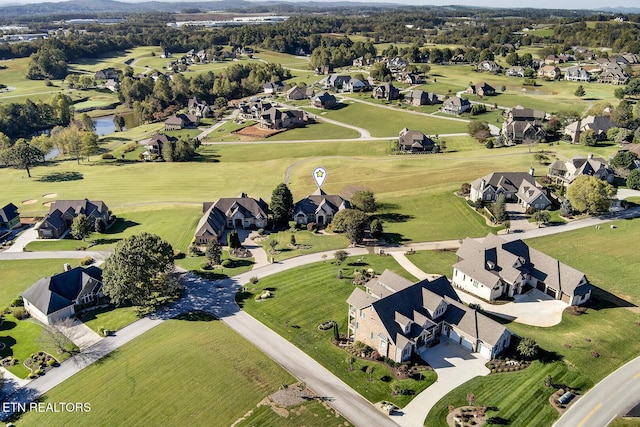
368, 215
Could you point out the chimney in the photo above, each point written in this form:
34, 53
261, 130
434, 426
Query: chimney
532, 171
483, 183
67, 267
590, 156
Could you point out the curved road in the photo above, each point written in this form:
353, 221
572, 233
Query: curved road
614, 396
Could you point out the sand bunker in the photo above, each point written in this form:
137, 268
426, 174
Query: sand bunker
29, 202
50, 196
47, 204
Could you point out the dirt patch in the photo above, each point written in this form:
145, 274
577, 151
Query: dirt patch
29, 201
256, 131
49, 195
292, 395
467, 416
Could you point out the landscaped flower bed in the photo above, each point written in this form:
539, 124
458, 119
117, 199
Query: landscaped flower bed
39, 363
507, 365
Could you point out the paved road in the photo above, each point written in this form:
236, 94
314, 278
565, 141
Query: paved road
96, 255
611, 397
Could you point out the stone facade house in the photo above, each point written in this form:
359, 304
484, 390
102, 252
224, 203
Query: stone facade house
489, 67
181, 121
386, 91
598, 124
494, 269
614, 75
62, 212
198, 108
400, 319
9, 217
550, 72
155, 144
517, 187
566, 172
60, 296
319, 208
275, 118
107, 73
297, 93
230, 213
515, 71
456, 105
414, 141
419, 97
523, 125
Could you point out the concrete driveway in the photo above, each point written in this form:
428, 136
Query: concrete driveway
454, 366
534, 308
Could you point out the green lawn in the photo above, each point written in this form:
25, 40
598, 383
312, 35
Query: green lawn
295, 312
520, 397
434, 262
613, 266
22, 338
385, 122
625, 422
312, 413
159, 221
316, 131
112, 319
162, 378
306, 242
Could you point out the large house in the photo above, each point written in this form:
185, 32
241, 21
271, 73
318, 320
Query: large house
230, 213
155, 145
399, 318
598, 124
324, 100
198, 108
319, 208
58, 297
494, 269
489, 67
62, 212
456, 105
481, 89
274, 118
335, 81
9, 217
515, 71
566, 172
523, 125
519, 187
550, 72
577, 74
181, 121
386, 91
419, 97
614, 75
414, 141
297, 93
107, 73
273, 87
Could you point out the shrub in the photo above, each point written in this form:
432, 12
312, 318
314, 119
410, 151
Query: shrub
107, 156
227, 263
260, 231
51, 362
178, 254
206, 267
86, 261
17, 302
253, 280
311, 226
19, 313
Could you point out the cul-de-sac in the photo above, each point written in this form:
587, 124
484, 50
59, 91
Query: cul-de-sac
262, 213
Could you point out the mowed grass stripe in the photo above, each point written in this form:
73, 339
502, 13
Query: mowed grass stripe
163, 378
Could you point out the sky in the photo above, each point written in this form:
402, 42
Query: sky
548, 4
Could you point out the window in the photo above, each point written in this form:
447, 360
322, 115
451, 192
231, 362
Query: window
362, 314
371, 335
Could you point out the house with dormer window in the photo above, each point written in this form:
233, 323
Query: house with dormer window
494, 268
319, 208
230, 213
399, 318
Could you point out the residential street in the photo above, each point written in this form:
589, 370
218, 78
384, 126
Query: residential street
611, 397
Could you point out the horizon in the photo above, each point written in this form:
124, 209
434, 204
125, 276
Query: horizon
496, 4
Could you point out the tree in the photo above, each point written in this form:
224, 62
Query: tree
351, 222
118, 122
528, 348
590, 194
479, 130
53, 337
99, 226
87, 123
500, 208
541, 217
340, 256
81, 227
471, 398
21, 156
548, 381
233, 240
89, 144
293, 239
566, 209
364, 200
281, 204
273, 244
376, 228
580, 92
633, 180
140, 272
370, 370
507, 225
213, 252
588, 137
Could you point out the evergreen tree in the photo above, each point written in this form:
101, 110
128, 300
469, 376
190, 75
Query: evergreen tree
213, 252
80, 227
580, 92
281, 204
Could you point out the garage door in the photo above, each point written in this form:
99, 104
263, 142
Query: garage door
566, 298
485, 351
540, 286
466, 343
551, 292
454, 336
